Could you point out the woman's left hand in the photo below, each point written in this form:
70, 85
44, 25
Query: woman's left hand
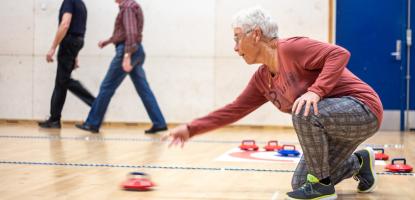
309, 98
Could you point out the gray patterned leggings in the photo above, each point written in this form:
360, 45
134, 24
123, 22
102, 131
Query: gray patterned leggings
329, 139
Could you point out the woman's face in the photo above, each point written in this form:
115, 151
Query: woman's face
245, 45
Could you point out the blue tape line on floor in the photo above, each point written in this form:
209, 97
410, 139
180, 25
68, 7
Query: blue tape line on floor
169, 167
126, 139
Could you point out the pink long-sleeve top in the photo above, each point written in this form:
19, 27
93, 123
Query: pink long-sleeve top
305, 65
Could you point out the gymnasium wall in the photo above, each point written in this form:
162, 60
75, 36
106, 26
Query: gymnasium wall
191, 65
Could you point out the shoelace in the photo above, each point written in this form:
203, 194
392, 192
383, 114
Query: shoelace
361, 179
308, 188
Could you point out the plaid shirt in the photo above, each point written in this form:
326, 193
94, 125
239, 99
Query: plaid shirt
128, 26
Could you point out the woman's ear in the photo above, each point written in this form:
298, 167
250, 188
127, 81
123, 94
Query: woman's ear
257, 34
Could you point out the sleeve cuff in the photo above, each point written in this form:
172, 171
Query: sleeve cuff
192, 131
319, 93
130, 49
109, 41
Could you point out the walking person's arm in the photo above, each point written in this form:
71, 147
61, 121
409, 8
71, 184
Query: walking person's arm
132, 30
60, 34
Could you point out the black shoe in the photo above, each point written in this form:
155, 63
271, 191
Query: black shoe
313, 189
50, 124
154, 130
366, 175
87, 127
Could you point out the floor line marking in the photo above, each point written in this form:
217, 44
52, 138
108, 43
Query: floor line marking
220, 169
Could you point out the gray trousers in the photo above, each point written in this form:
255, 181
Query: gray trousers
329, 139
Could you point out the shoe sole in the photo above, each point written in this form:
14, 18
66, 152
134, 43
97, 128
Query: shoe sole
91, 131
50, 127
327, 197
372, 170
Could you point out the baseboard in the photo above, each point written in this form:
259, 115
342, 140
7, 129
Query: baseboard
139, 124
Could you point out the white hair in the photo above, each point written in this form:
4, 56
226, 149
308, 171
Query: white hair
250, 18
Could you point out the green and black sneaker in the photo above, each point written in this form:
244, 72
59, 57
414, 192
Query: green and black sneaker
313, 189
366, 175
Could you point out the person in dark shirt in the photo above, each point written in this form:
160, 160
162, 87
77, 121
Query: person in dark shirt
70, 39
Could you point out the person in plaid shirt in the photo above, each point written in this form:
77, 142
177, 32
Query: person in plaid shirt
129, 59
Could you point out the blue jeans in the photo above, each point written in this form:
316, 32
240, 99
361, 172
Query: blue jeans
113, 79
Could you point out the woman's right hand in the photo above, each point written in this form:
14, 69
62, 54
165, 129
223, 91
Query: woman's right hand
178, 135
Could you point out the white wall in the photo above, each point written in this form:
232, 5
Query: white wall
190, 64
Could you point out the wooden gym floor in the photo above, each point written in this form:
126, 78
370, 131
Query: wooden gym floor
72, 164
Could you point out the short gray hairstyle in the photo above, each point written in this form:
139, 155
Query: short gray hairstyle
250, 18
